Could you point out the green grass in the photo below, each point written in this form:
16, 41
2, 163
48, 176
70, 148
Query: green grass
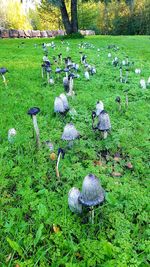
32, 198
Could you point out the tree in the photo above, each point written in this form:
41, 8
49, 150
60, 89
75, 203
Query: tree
70, 22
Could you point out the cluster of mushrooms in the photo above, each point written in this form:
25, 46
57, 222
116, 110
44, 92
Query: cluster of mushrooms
92, 194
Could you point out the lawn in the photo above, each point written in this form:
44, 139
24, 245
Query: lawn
37, 227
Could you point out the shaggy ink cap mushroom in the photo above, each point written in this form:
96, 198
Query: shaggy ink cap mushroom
73, 200
33, 111
70, 133
92, 193
104, 121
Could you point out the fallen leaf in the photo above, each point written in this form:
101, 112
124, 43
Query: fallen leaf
52, 156
129, 165
56, 228
17, 265
97, 163
117, 159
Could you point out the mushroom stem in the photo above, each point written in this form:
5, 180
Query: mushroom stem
92, 215
57, 165
105, 134
4, 80
37, 132
119, 106
71, 87
127, 102
47, 76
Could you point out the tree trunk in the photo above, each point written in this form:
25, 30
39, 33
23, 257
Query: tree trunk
74, 16
65, 17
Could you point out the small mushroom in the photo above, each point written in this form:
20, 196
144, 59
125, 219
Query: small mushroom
118, 100
143, 84
70, 133
92, 193
61, 152
51, 80
11, 135
73, 200
33, 112
3, 72
87, 76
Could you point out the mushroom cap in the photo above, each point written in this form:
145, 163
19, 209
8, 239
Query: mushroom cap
65, 101
3, 70
12, 132
73, 201
58, 70
62, 151
66, 70
99, 107
104, 121
33, 111
58, 105
92, 193
70, 132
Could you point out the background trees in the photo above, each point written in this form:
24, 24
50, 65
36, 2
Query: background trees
104, 16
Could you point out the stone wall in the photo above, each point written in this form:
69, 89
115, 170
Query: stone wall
37, 34
30, 33
87, 32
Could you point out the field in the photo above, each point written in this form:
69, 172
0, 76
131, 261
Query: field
37, 227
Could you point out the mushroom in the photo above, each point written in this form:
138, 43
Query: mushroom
143, 84
99, 107
109, 55
92, 193
70, 133
33, 112
11, 135
61, 152
87, 76
118, 100
73, 200
104, 123
61, 104
137, 71
3, 72
51, 80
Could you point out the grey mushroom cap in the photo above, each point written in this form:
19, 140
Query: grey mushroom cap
92, 193
73, 200
104, 121
70, 132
